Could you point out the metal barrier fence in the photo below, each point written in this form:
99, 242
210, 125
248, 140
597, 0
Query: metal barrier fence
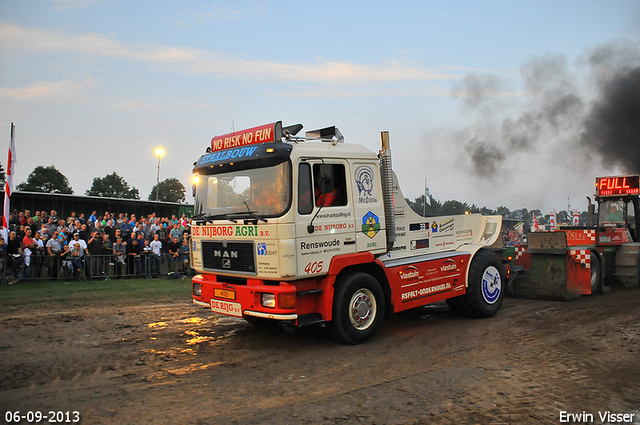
46, 267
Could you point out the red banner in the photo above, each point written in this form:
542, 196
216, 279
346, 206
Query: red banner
262, 134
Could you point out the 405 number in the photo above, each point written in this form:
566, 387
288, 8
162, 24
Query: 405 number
312, 268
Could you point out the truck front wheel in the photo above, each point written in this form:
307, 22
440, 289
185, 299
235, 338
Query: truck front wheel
485, 289
358, 308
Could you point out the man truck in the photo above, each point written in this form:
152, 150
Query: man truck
310, 229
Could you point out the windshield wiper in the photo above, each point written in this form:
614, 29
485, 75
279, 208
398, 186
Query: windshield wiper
203, 217
233, 217
247, 214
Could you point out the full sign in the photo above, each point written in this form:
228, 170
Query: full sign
616, 186
262, 134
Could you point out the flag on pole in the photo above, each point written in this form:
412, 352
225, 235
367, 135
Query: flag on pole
553, 225
536, 228
427, 195
8, 184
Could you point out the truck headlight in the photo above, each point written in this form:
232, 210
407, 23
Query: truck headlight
197, 290
268, 300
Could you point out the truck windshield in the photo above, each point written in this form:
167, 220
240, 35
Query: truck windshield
612, 212
265, 192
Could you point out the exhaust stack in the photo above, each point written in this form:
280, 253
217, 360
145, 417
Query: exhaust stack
386, 171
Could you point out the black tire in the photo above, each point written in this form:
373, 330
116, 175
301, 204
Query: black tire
596, 273
358, 308
456, 307
486, 288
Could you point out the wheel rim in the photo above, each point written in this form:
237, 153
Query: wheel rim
362, 309
491, 285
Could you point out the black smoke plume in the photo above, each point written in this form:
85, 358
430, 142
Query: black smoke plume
596, 117
612, 128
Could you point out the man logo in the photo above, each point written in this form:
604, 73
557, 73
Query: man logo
225, 254
226, 263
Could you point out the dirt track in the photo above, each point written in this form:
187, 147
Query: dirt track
170, 364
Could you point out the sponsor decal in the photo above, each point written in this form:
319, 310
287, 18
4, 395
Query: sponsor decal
581, 235
447, 225
445, 244
370, 224
262, 249
444, 228
305, 246
464, 234
364, 177
409, 273
333, 227
319, 247
265, 267
425, 292
335, 215
230, 154
611, 238
449, 266
420, 244
399, 248
261, 134
372, 244
212, 231
415, 227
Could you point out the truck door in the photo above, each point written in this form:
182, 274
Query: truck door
325, 225
368, 207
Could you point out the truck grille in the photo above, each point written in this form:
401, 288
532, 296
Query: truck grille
228, 256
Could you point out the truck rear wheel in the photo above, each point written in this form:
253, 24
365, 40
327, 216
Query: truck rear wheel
358, 309
485, 290
596, 272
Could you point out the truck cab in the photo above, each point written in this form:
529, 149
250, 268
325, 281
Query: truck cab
618, 208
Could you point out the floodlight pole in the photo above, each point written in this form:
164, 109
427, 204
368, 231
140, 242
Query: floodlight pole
159, 152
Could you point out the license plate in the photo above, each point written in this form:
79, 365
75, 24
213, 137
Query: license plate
226, 307
223, 293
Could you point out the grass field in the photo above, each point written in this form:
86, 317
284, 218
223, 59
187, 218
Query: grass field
60, 294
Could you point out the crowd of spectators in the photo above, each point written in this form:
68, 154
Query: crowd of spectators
513, 238
94, 246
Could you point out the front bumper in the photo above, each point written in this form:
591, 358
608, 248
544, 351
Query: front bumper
248, 296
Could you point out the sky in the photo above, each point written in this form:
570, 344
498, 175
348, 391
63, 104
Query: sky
496, 103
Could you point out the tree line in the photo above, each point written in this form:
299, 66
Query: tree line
50, 180
453, 207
